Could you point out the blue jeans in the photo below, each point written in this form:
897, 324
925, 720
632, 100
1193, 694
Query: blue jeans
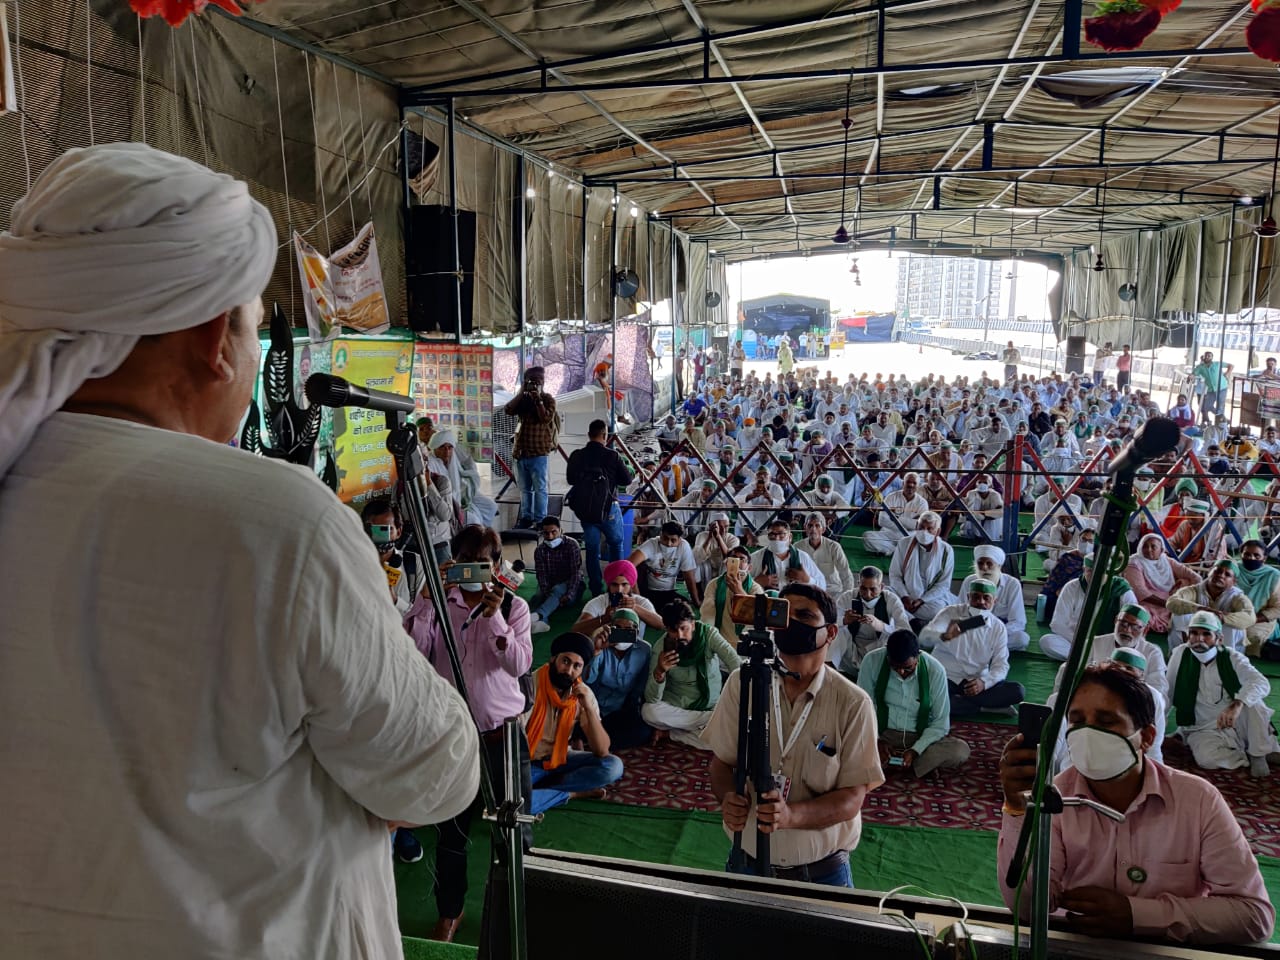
841, 876
531, 475
611, 530
581, 771
545, 604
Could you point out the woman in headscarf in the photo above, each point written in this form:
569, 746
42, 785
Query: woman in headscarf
1153, 575
464, 480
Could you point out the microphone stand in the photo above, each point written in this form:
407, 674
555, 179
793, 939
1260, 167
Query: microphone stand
1045, 800
506, 865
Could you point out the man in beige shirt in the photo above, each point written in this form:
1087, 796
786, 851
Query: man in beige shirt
822, 748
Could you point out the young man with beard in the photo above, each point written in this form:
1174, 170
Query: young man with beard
823, 743
684, 679
561, 700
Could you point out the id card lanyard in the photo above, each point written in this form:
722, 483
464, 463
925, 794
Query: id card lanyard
777, 721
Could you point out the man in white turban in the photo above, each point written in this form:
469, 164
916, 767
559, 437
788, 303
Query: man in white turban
988, 559
208, 734
464, 478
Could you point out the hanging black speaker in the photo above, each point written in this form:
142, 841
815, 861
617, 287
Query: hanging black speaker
625, 284
432, 285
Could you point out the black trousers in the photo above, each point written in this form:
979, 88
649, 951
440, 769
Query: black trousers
451, 847
627, 729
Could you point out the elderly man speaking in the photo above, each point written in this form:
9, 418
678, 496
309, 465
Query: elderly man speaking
211, 712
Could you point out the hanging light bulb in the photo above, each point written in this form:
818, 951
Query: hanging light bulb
530, 193
842, 235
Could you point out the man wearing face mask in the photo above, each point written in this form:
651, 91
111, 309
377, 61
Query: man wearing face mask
617, 675
735, 580
660, 562
1070, 607
913, 707
1261, 584
1216, 594
868, 615
779, 562
557, 563
921, 571
381, 519
228, 690
1179, 867
1129, 633
684, 677
827, 555
1008, 608
620, 579
825, 495
1218, 701
973, 646
985, 519
561, 701
822, 745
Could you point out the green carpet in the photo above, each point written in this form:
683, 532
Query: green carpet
951, 862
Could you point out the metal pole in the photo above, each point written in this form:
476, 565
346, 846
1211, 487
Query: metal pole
1155, 312
613, 310
653, 381
453, 212
1195, 303
675, 351
585, 282
1253, 313
522, 279
1226, 290
1133, 304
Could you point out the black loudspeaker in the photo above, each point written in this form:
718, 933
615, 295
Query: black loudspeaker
429, 277
1075, 354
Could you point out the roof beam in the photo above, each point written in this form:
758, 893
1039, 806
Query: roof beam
742, 98
520, 45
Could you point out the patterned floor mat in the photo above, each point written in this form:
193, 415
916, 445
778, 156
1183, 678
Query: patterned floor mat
677, 777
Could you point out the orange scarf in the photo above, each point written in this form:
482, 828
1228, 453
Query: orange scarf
546, 699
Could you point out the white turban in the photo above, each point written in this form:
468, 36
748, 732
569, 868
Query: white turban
439, 439
987, 551
114, 243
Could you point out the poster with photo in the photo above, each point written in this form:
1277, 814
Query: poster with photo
453, 384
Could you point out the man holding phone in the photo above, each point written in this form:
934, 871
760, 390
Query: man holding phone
620, 579
719, 593
617, 676
536, 437
867, 616
973, 647
684, 681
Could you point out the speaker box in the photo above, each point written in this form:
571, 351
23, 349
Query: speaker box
1075, 354
429, 277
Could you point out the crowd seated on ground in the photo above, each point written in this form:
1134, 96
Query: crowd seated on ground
766, 484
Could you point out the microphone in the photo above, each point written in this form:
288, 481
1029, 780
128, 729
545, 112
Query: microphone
500, 579
1154, 438
330, 391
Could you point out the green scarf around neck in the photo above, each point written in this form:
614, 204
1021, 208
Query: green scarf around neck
770, 562
1188, 685
1109, 602
722, 599
882, 687
694, 654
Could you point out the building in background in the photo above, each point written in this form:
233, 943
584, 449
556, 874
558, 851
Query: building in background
943, 289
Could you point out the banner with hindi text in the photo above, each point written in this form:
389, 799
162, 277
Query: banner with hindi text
360, 436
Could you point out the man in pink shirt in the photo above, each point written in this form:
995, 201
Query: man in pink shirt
495, 649
1178, 867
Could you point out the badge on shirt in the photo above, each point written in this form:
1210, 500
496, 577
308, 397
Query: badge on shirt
1137, 874
393, 575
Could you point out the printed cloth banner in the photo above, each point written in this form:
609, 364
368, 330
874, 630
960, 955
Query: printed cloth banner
359, 435
345, 289
453, 385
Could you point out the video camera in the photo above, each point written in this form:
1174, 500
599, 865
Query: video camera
760, 612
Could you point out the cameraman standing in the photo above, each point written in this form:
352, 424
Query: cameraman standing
822, 745
535, 439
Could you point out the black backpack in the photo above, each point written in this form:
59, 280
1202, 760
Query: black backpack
592, 496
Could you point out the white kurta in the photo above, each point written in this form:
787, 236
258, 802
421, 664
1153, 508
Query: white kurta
1009, 608
816, 576
211, 708
1251, 736
1105, 644
1057, 643
920, 574
979, 654
908, 512
830, 558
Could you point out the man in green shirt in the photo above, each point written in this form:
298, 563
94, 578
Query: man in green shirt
684, 680
913, 708
1215, 379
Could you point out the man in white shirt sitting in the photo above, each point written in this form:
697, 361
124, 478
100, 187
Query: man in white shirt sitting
907, 505
1009, 608
827, 555
1066, 615
868, 615
780, 563
921, 570
825, 495
660, 562
913, 708
973, 647
986, 510
1129, 633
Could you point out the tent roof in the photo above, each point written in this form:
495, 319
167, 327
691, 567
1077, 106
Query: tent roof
969, 119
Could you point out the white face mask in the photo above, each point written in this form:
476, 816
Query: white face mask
1101, 754
1086, 549
984, 488
623, 646
1205, 656
472, 587
925, 538
780, 547
977, 611
555, 543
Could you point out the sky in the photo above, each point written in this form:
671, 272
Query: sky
828, 278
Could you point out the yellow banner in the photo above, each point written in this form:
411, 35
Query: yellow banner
359, 435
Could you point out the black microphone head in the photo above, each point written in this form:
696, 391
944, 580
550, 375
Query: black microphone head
326, 390
1156, 437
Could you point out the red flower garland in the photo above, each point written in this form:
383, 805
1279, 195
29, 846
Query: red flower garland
1263, 32
177, 11
1125, 24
